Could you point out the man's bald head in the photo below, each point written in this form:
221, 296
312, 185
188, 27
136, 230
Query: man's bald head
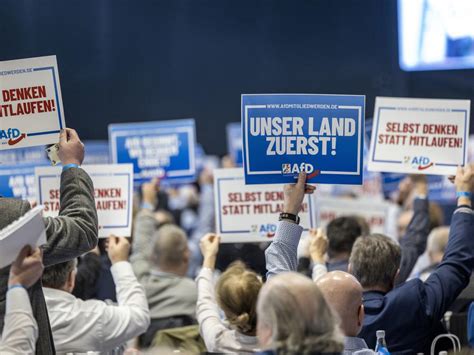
344, 294
292, 311
170, 250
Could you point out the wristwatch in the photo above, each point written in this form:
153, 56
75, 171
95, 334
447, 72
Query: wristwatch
289, 216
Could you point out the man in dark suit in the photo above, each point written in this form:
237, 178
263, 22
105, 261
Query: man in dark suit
72, 233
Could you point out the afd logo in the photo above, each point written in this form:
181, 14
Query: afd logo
12, 135
268, 230
421, 162
295, 169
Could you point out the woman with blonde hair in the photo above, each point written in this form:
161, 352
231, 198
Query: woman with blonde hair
236, 294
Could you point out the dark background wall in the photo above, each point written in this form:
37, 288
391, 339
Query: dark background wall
144, 60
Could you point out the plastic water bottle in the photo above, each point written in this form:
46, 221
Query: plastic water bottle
381, 347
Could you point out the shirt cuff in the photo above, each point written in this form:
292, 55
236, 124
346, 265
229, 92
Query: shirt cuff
120, 269
69, 166
18, 300
288, 233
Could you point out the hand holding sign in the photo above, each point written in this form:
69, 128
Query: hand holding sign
71, 149
27, 268
294, 194
209, 248
118, 249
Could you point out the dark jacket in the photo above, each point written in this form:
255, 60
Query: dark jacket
71, 234
410, 314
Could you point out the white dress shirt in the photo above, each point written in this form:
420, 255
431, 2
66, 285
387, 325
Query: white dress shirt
20, 330
217, 336
80, 326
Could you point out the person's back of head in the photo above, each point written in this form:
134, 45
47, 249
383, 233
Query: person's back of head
343, 293
375, 262
60, 276
342, 232
437, 242
170, 251
237, 291
294, 317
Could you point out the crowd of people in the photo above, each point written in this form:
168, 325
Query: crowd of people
173, 287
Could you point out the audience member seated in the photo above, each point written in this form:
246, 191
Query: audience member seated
93, 325
160, 260
375, 261
71, 234
236, 295
343, 293
21, 330
294, 318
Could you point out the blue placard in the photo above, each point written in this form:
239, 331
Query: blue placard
31, 155
284, 134
18, 181
164, 149
234, 142
96, 152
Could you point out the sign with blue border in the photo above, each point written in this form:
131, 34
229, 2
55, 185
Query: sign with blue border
31, 155
113, 192
284, 134
419, 136
163, 149
31, 108
234, 142
249, 213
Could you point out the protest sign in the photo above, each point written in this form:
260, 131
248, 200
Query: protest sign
249, 213
374, 212
234, 142
163, 149
18, 181
31, 108
113, 192
419, 136
285, 134
96, 152
31, 155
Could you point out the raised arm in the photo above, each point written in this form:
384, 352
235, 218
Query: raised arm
413, 243
207, 312
131, 317
144, 228
453, 274
74, 231
281, 255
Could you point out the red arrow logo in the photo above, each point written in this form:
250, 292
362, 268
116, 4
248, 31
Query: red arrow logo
425, 167
16, 140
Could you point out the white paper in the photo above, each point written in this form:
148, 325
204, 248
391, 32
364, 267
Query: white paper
27, 230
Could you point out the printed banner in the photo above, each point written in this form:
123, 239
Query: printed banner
249, 213
113, 191
234, 142
374, 212
31, 108
163, 149
285, 134
419, 136
31, 155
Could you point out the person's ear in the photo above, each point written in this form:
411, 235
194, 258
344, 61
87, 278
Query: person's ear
360, 315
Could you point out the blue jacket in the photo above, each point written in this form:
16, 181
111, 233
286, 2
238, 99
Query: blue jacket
410, 314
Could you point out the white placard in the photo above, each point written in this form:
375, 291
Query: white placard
419, 136
375, 212
31, 107
113, 190
249, 213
